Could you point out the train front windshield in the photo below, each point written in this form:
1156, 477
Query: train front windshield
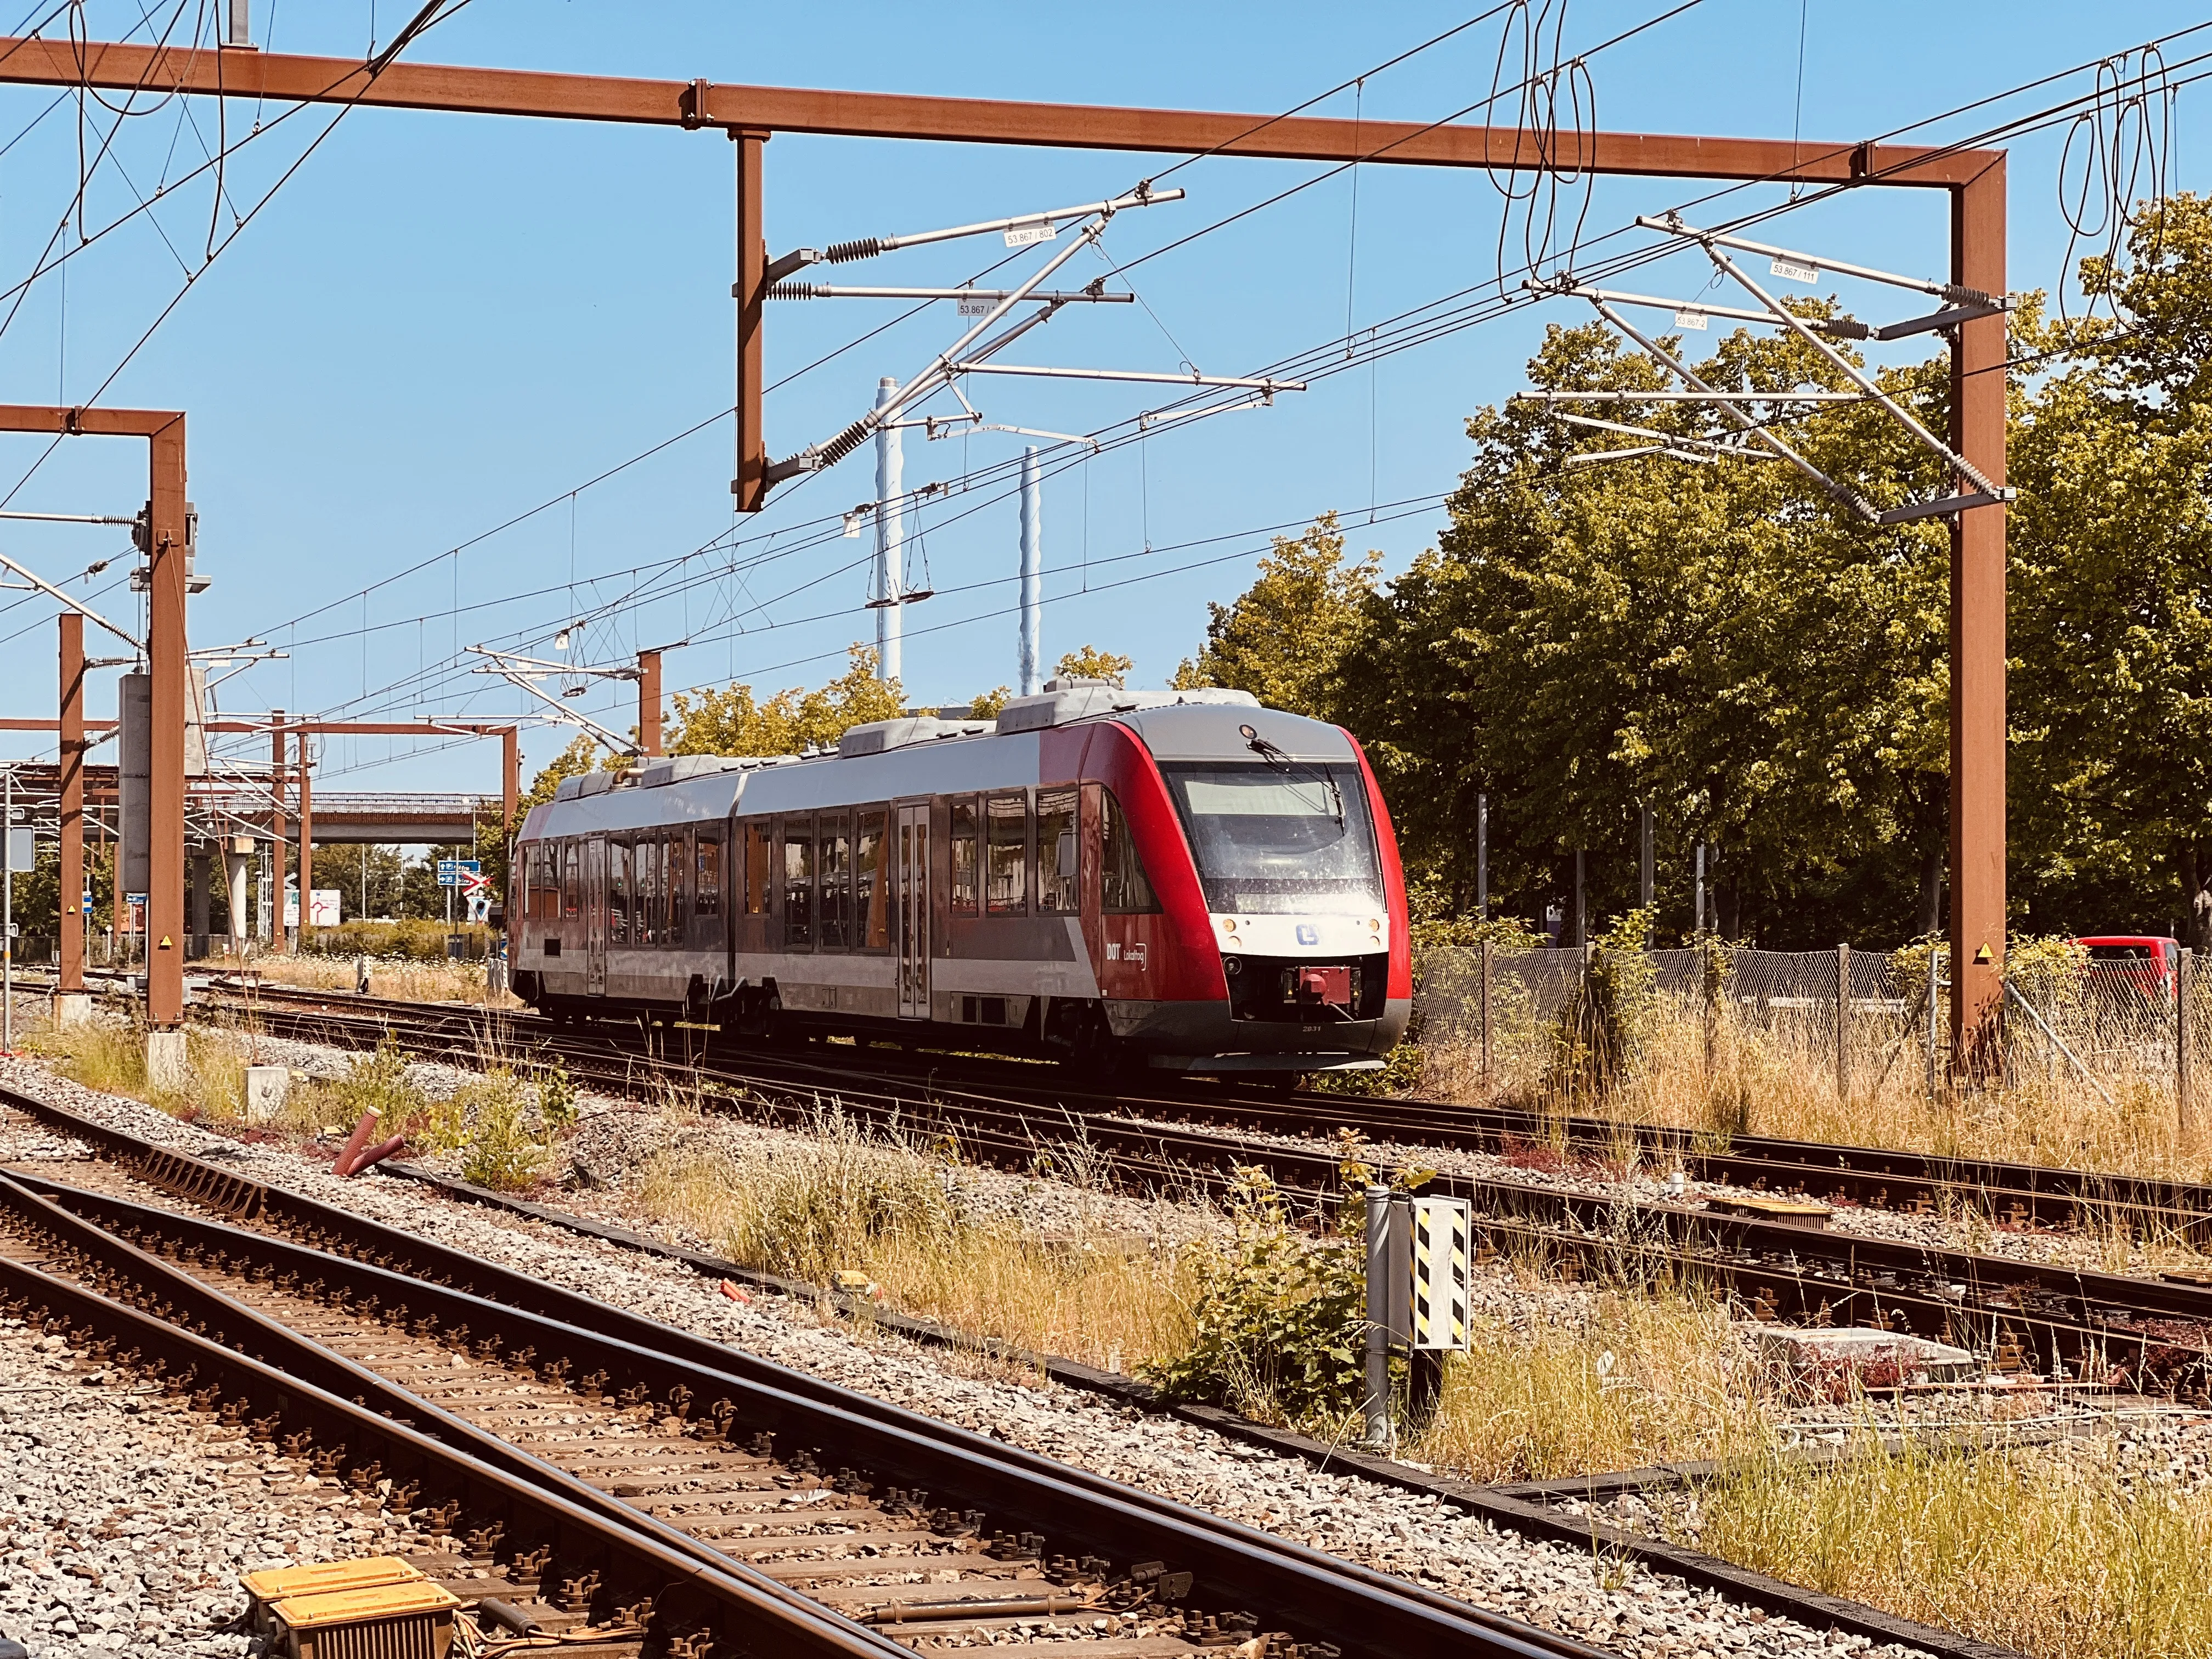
1275, 839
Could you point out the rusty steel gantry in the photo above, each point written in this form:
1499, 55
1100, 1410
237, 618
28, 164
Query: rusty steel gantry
1974, 180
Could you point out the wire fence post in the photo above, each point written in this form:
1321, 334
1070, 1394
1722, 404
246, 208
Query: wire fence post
1488, 946
1713, 966
1934, 986
2184, 995
1843, 1023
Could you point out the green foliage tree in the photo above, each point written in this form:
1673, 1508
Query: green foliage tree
990, 704
1283, 638
1766, 674
735, 722
2110, 619
578, 758
1090, 663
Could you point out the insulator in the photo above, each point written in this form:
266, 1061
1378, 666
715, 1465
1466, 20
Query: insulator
791, 291
866, 248
844, 444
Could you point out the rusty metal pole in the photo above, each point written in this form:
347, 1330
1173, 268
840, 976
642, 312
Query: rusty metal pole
166, 663
648, 701
70, 897
510, 779
276, 829
751, 485
1977, 639
306, 843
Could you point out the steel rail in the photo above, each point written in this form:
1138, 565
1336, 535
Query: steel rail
201, 1182
2070, 1320
201, 1332
2021, 1194
1234, 1565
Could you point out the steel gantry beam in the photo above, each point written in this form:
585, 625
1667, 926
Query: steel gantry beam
166, 663
750, 115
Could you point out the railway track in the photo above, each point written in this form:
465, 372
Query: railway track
2019, 1195
580, 1463
2149, 1335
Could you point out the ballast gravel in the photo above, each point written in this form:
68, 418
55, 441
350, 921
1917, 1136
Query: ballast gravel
1624, 1607
126, 1519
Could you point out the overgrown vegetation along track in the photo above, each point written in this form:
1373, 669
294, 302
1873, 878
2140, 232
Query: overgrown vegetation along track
2024, 1195
2147, 1334
705, 1462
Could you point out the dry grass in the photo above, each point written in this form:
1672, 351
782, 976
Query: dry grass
842, 1202
1780, 1081
404, 980
1638, 1381
2010, 1547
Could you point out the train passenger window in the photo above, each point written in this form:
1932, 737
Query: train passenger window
799, 884
1123, 887
541, 898
965, 862
675, 864
758, 874
1059, 888
1007, 868
618, 892
833, 870
571, 858
707, 891
871, 873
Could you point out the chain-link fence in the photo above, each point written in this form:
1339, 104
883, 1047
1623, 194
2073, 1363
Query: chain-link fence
1848, 1026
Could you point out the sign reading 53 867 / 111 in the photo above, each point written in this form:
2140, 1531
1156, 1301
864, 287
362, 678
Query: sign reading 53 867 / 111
455, 872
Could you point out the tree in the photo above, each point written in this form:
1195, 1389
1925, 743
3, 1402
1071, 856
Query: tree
735, 722
991, 703
571, 762
2109, 619
1092, 664
1282, 639
1705, 638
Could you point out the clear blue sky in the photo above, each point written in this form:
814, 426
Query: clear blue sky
441, 322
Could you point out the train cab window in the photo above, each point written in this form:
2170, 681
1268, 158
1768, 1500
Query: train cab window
758, 874
707, 891
618, 892
871, 873
676, 864
966, 866
1006, 869
1059, 887
1123, 887
833, 871
799, 884
571, 860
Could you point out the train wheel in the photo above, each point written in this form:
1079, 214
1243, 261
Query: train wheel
1096, 1052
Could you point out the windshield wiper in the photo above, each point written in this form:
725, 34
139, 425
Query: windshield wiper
1282, 763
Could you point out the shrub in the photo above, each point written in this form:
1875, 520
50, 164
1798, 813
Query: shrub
1279, 1320
502, 1152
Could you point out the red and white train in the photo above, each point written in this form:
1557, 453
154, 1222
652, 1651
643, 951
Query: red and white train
1181, 880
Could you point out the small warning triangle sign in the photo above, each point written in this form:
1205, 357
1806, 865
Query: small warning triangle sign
1982, 958
165, 944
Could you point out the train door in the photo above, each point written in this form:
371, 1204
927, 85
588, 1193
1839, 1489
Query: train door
914, 912
595, 916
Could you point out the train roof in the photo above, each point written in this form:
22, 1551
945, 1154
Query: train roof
926, 755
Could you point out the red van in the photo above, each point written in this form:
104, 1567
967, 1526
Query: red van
2155, 959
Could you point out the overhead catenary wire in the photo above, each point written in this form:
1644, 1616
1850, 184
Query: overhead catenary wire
1409, 343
